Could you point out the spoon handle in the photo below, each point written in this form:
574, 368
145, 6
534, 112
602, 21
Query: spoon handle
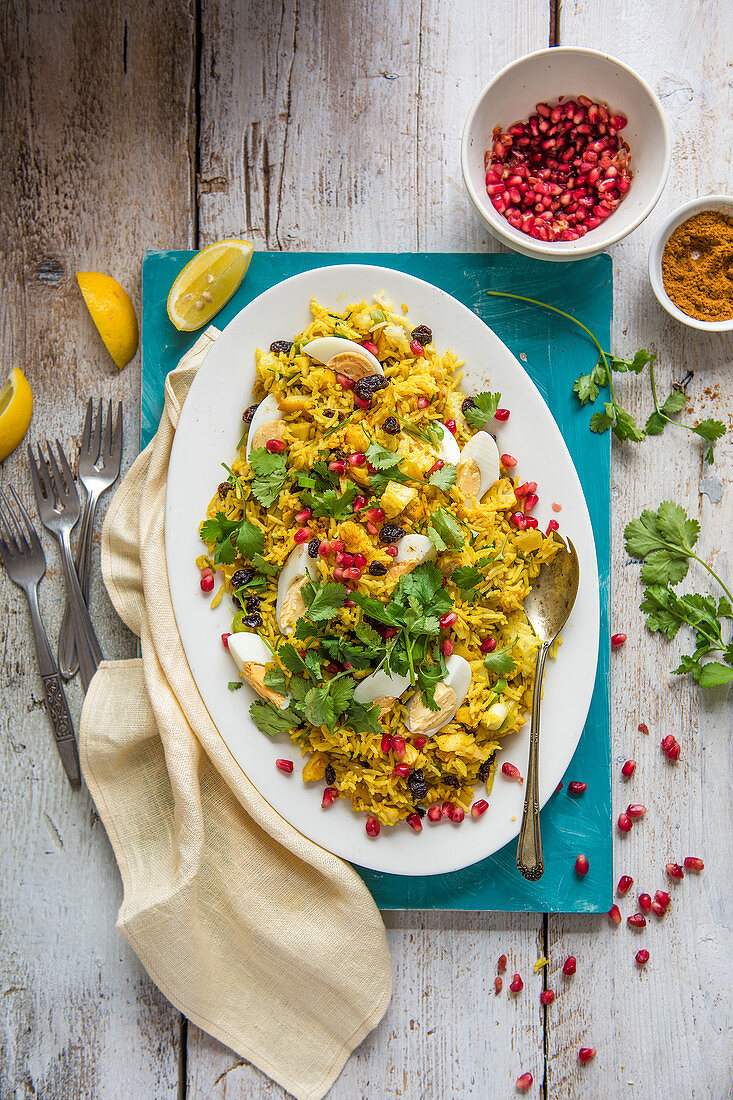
529, 849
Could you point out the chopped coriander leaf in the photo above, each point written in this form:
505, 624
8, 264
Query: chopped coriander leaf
466, 577
483, 409
250, 539
272, 720
324, 602
436, 540
367, 635
588, 386
275, 678
324, 703
234, 685
448, 528
331, 502
500, 662
264, 566
270, 472
381, 458
362, 718
444, 478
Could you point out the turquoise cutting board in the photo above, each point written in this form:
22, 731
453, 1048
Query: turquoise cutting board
553, 352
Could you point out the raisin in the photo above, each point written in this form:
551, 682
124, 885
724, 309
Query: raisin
469, 403
377, 569
366, 387
242, 577
253, 621
391, 426
338, 454
249, 413
253, 603
330, 775
329, 412
281, 345
391, 532
313, 548
422, 334
416, 783
223, 489
451, 780
485, 769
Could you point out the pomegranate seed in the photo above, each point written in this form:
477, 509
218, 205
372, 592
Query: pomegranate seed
393, 551
337, 466
501, 965
337, 546
624, 823
420, 742
675, 871
517, 985
457, 815
437, 465
303, 516
434, 812
448, 619
628, 769
643, 727
362, 403
498, 985
693, 863
508, 461
330, 794
386, 744
207, 582
570, 965
447, 809
479, 807
586, 1054
525, 1082
531, 522
359, 503
417, 349
284, 765
275, 446
302, 535
357, 459
488, 645
415, 822
345, 382
635, 811
402, 771
423, 402
353, 573
447, 646
518, 519
207, 571
372, 827
667, 742
398, 746
502, 415
658, 910
582, 866
338, 574
553, 525
511, 771
642, 957
618, 121
637, 920
558, 788
521, 490
547, 996
390, 632
577, 788
645, 902
369, 345
674, 752
530, 501
617, 640
225, 640
624, 885
614, 914
451, 426
376, 515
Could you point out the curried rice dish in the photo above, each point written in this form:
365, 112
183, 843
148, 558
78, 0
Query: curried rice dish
377, 551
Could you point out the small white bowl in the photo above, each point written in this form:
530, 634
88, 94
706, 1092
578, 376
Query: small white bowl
570, 71
721, 203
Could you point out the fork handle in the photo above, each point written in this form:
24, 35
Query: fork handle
87, 646
68, 662
56, 705
529, 848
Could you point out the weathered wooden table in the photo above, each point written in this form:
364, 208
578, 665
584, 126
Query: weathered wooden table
336, 125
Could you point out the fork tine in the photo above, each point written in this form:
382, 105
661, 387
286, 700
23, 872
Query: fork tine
86, 435
35, 541
68, 476
20, 540
117, 442
96, 448
40, 476
5, 536
107, 444
56, 478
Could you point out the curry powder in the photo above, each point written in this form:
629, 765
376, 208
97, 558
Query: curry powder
697, 266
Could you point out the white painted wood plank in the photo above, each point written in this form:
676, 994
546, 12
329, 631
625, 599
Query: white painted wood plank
94, 170
668, 1029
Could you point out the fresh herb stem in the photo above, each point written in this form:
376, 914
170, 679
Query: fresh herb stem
341, 424
712, 573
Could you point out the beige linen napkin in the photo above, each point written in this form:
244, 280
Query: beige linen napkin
256, 934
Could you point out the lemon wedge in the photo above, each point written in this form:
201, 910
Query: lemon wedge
112, 312
16, 409
207, 282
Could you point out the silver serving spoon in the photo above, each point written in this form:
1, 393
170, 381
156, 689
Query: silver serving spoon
548, 608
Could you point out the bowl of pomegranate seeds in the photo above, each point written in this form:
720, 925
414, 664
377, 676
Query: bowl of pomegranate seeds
565, 152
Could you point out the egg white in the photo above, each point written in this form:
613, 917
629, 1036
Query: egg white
298, 566
267, 410
459, 679
380, 686
482, 449
323, 348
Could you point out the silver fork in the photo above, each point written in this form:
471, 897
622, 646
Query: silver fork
58, 504
22, 555
99, 467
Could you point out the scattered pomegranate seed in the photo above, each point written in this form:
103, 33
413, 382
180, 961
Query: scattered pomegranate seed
525, 1082
582, 866
662, 898
303, 516
558, 788
553, 525
531, 522
415, 822
457, 815
207, 571
586, 1054
225, 640
517, 985
420, 742
479, 807
357, 459
488, 645
284, 765
451, 426
338, 573
667, 742
345, 382
674, 752
675, 871
275, 446
359, 503
547, 996
447, 646
635, 811
614, 914
390, 632
330, 794
521, 490
556, 507
502, 415
448, 620
207, 582
437, 465
498, 984
386, 744
337, 466
393, 551
353, 573
372, 827
434, 812
302, 535
398, 746
637, 920
642, 957
518, 519
628, 769
658, 910
643, 727
376, 515
508, 461
617, 640
511, 772
337, 546
369, 345
570, 965
362, 403
624, 823
501, 965
360, 561
645, 902
693, 863
423, 402
624, 885
530, 501
577, 788
402, 771
416, 348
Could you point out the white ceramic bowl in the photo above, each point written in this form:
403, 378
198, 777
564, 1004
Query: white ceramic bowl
721, 203
568, 71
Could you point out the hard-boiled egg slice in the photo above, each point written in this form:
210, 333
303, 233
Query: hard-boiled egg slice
296, 571
411, 550
344, 356
447, 448
251, 656
478, 467
267, 423
496, 716
449, 695
381, 689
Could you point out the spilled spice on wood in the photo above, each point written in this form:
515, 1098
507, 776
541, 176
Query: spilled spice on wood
697, 266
